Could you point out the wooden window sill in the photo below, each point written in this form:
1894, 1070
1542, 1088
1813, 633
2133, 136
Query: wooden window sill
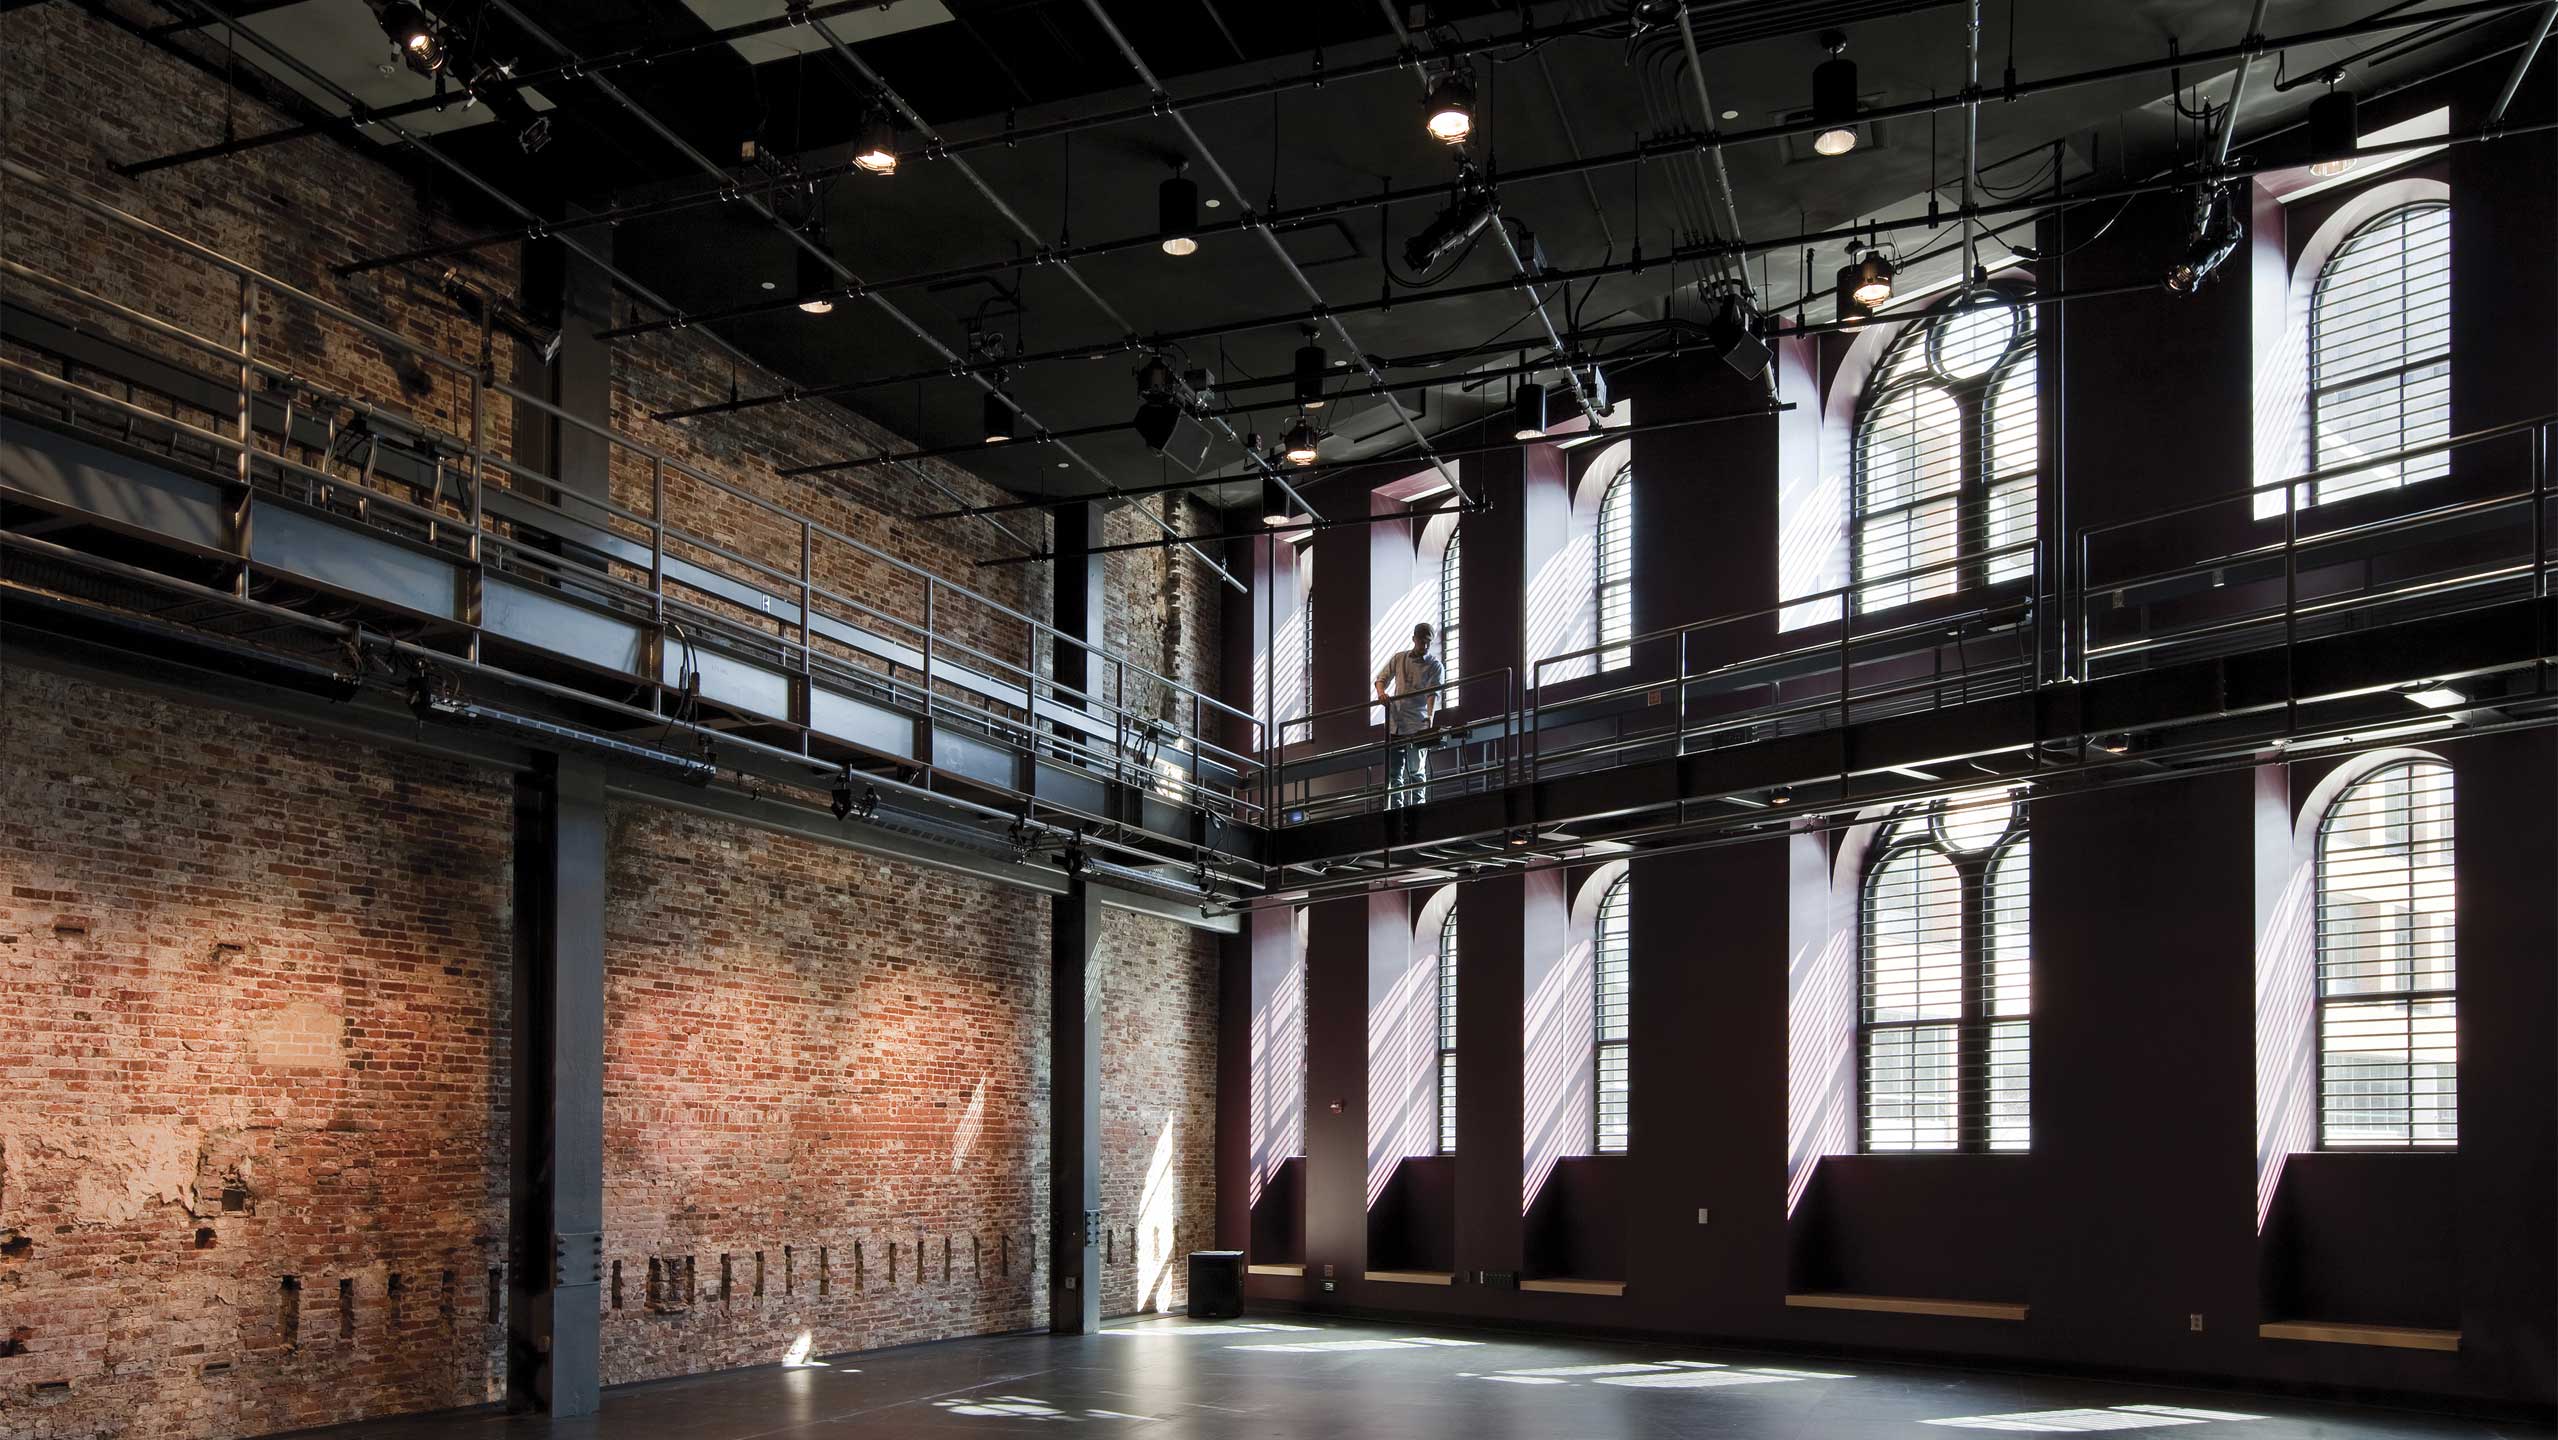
1412, 1277
1296, 1270
1907, 1305
2394, 1337
1574, 1287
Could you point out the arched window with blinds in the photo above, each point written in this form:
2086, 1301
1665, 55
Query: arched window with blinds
1613, 567
2380, 351
2388, 999
1450, 572
1947, 461
1612, 972
1945, 965
1448, 1033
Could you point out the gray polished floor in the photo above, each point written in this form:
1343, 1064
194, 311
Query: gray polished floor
1265, 1379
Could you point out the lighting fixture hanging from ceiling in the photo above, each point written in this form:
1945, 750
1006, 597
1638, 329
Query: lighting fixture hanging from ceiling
412, 33
1312, 363
1301, 445
2216, 233
875, 141
2335, 131
1874, 271
1527, 412
1469, 207
1177, 211
817, 281
1834, 97
1852, 311
998, 412
1449, 108
1277, 507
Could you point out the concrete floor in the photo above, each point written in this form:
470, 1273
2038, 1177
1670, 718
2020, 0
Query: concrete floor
1280, 1379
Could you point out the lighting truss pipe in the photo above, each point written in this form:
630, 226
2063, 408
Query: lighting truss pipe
1972, 131
1722, 176
2254, 44
620, 279
1509, 246
1279, 252
503, 84
1319, 472
1714, 142
2522, 65
1683, 255
1292, 527
1469, 377
799, 237
1009, 137
1196, 405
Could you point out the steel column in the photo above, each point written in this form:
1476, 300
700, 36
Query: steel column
1074, 1114
555, 1211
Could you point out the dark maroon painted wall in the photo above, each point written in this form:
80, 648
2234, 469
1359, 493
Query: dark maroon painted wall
2136, 1208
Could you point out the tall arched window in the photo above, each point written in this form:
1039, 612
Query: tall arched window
2380, 350
1448, 1033
1944, 1032
1449, 573
1613, 568
1612, 972
1947, 454
2388, 1032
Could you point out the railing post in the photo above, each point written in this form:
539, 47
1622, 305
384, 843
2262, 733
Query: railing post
807, 594
1679, 741
927, 746
2291, 608
476, 499
657, 542
2540, 557
242, 519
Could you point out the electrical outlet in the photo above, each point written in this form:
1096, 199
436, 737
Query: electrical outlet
1700, 1214
2194, 1322
1327, 1274
1327, 1287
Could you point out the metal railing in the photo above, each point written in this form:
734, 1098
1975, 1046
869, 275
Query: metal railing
1371, 758
2269, 568
951, 657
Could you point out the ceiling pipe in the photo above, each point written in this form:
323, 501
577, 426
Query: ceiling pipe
1722, 176
1009, 137
496, 84
1697, 253
1194, 403
1714, 142
1510, 246
619, 278
1375, 463
800, 238
2255, 40
1972, 136
1472, 507
1279, 252
2522, 65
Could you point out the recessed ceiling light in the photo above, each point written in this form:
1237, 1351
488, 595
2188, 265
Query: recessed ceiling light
1213, 202
1731, 114
2437, 697
768, 284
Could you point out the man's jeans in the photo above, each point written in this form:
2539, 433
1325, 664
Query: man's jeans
1407, 771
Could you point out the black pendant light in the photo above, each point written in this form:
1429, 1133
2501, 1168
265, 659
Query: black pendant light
1852, 311
1177, 212
1527, 412
1834, 97
999, 417
2335, 132
1312, 363
817, 280
1277, 508
1299, 447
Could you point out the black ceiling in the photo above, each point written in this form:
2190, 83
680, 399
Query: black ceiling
1026, 62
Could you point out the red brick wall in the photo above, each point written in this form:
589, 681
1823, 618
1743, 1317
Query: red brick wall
253, 994
808, 1048
1158, 1108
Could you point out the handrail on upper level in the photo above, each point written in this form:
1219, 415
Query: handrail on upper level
1117, 729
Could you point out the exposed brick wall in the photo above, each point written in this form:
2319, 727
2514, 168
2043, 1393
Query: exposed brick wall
798, 1037
1158, 1108
809, 1048
253, 995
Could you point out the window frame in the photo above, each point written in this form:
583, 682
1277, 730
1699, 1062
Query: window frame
1606, 580
2321, 1001
1451, 606
1614, 902
2317, 387
1446, 1077
1920, 828
1976, 430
